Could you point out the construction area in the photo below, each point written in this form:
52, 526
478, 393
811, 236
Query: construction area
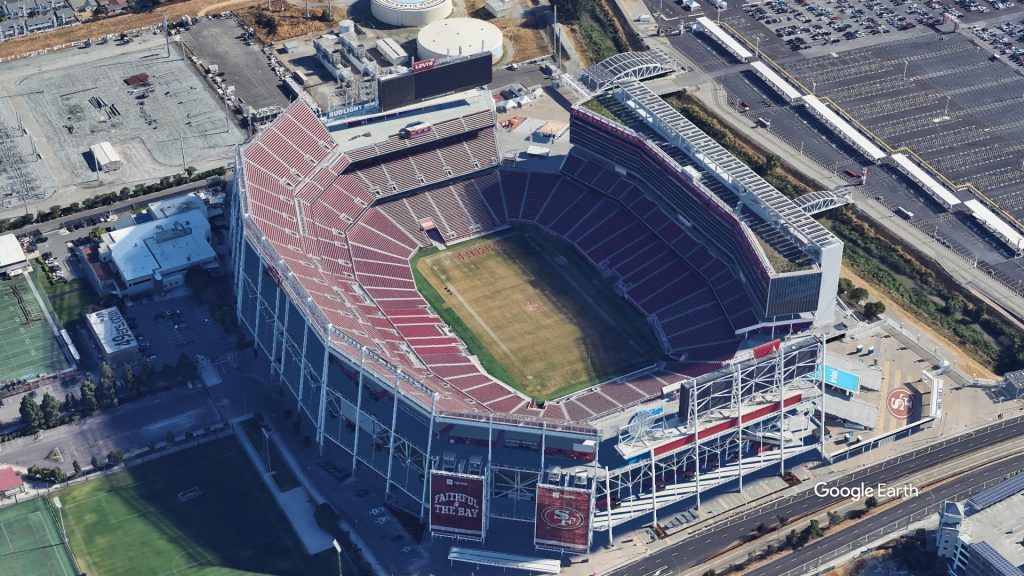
139, 94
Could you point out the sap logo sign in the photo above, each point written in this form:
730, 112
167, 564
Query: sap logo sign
562, 518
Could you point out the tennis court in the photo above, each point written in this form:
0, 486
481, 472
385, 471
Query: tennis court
30, 543
27, 345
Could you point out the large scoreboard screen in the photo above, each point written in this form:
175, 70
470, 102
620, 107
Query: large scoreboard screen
430, 79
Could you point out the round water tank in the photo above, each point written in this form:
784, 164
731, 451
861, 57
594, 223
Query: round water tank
346, 26
408, 13
459, 36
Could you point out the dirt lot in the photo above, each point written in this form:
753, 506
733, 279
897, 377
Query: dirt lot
282, 23
98, 28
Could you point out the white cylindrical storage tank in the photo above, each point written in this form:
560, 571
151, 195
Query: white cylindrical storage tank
346, 26
406, 13
459, 36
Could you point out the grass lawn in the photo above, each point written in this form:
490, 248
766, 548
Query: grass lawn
30, 543
66, 298
199, 512
535, 312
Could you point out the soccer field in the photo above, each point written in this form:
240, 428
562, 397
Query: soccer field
535, 312
30, 543
199, 512
27, 345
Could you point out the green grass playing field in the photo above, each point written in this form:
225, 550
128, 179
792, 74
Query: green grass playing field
30, 543
27, 345
538, 315
200, 512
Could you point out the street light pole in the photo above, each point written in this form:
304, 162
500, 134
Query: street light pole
337, 547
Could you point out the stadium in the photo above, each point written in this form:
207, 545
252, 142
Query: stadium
450, 320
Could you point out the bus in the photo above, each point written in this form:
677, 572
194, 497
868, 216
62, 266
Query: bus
904, 213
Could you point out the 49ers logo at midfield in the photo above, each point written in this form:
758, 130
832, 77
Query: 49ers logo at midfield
562, 518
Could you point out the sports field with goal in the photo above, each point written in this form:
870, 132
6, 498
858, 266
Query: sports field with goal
30, 542
535, 312
199, 512
27, 345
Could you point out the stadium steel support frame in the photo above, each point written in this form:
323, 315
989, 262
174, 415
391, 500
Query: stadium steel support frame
663, 475
729, 423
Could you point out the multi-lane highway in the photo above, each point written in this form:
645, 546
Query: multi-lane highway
914, 508
712, 541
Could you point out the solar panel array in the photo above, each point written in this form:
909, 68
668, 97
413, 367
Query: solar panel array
1002, 566
997, 493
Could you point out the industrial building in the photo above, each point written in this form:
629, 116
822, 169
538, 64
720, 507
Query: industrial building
408, 13
459, 37
12, 257
113, 336
982, 536
154, 256
106, 158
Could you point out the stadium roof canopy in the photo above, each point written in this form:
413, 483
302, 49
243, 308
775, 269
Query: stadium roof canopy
635, 65
756, 193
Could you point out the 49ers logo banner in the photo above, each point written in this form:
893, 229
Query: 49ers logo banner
456, 504
563, 518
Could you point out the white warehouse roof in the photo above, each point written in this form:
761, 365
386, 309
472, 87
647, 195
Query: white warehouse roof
10, 251
848, 132
723, 37
931, 186
111, 330
105, 155
775, 81
459, 37
997, 225
166, 245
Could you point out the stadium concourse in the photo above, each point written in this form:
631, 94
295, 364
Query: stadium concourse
727, 271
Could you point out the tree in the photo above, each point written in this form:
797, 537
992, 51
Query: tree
131, 384
873, 309
145, 372
31, 414
51, 411
793, 539
115, 457
325, 16
77, 467
87, 403
844, 286
857, 294
95, 463
169, 437
186, 367
106, 394
814, 530
191, 170
834, 518
570, 10
771, 162
70, 403
871, 502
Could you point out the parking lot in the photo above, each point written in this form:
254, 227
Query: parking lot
166, 329
219, 41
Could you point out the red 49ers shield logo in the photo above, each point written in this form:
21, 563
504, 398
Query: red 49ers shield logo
562, 518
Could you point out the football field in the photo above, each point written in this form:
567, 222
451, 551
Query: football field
30, 543
28, 347
535, 312
199, 512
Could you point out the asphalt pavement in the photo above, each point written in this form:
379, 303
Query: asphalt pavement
927, 502
697, 548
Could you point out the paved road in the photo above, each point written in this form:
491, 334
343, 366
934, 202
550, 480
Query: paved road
133, 425
118, 207
928, 501
714, 540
